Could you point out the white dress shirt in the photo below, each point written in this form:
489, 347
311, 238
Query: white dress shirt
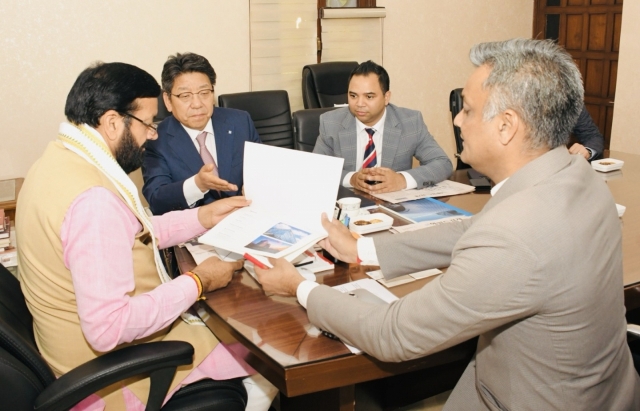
191, 191
366, 253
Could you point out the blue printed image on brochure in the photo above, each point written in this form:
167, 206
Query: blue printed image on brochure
426, 209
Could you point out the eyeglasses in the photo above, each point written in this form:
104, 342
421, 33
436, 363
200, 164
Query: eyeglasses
187, 96
152, 127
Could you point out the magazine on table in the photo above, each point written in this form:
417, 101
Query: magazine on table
425, 209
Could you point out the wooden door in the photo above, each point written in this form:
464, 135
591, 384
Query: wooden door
590, 31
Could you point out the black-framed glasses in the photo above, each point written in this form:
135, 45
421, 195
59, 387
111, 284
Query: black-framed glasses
152, 127
187, 96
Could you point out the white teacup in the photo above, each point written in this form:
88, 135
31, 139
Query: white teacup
348, 206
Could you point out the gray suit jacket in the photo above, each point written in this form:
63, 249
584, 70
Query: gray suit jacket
537, 275
405, 136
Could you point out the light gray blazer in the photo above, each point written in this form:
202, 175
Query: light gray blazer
537, 275
405, 136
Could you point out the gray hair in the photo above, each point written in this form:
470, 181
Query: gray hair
538, 80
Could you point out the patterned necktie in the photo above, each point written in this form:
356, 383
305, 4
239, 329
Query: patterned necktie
207, 158
370, 151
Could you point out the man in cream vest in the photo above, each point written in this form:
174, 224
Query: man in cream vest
536, 275
90, 269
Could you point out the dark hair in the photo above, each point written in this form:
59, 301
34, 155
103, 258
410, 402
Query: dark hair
185, 63
368, 67
107, 86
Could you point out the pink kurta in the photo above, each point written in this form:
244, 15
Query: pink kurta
97, 237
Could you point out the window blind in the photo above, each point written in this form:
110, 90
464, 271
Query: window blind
352, 34
283, 40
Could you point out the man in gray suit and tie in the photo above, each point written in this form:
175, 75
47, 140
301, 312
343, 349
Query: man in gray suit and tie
536, 275
378, 140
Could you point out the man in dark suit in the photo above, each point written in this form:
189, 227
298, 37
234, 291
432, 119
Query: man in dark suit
379, 140
590, 142
198, 155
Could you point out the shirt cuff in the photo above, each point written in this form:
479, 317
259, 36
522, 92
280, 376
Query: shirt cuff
411, 182
367, 251
592, 153
191, 191
188, 286
303, 291
346, 182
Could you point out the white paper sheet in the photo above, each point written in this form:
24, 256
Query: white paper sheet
371, 286
201, 252
443, 189
403, 279
289, 190
425, 224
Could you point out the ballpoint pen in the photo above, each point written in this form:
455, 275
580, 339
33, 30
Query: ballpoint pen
255, 261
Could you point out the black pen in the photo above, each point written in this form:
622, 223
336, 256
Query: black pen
301, 264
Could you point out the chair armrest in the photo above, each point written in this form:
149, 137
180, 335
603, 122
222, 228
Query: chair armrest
633, 329
158, 358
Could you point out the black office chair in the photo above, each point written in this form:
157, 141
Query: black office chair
306, 125
27, 382
326, 84
162, 110
270, 112
633, 339
455, 105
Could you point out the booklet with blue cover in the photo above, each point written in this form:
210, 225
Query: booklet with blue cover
425, 209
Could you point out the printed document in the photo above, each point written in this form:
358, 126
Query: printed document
445, 188
289, 190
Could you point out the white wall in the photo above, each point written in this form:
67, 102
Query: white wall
45, 44
624, 132
426, 48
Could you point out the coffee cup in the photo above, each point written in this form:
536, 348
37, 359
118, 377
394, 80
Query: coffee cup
348, 206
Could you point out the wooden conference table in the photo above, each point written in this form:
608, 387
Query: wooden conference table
315, 372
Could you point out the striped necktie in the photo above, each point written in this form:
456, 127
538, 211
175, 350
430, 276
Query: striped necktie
370, 159
207, 158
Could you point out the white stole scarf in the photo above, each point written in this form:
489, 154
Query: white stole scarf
87, 142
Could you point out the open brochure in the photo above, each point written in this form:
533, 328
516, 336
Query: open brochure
289, 190
425, 209
443, 189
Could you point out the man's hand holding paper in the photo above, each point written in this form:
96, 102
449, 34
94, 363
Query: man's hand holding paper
340, 243
283, 279
215, 273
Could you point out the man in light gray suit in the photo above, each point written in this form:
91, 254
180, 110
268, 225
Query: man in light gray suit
537, 274
378, 140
